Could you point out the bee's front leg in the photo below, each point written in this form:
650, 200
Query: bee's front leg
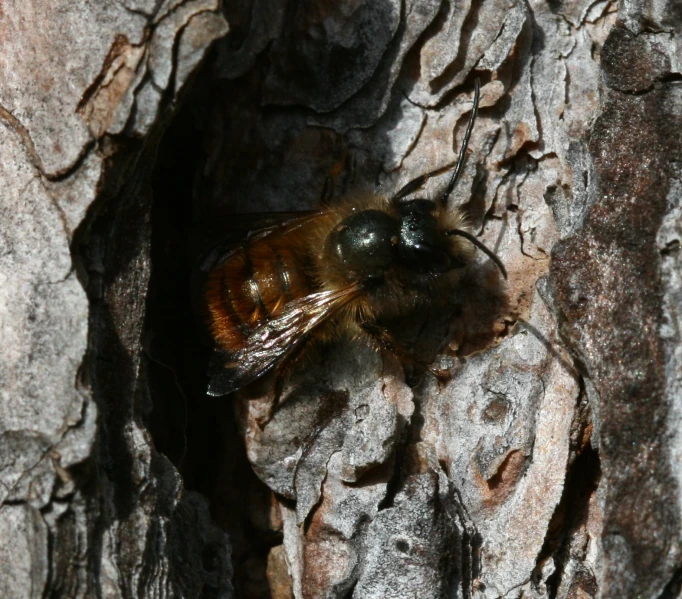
282, 373
386, 340
418, 183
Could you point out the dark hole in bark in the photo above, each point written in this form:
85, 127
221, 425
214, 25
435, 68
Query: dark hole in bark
571, 513
196, 432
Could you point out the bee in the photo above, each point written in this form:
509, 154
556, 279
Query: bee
343, 269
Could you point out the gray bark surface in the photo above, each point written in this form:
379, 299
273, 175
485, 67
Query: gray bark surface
89, 508
548, 466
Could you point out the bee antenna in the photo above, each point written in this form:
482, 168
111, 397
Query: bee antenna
463, 149
481, 247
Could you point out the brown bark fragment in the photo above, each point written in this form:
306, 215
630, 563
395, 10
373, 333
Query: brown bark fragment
608, 285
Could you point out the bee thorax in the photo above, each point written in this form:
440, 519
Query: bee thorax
364, 244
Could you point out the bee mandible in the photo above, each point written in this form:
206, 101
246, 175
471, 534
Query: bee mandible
343, 269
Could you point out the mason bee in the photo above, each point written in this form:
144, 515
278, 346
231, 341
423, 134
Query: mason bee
343, 269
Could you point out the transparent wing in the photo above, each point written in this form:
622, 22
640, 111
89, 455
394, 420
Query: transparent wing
273, 340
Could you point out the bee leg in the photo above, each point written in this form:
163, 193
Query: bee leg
280, 380
418, 183
281, 375
282, 372
279, 387
327, 191
387, 341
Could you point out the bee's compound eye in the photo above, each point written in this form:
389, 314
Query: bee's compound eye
365, 240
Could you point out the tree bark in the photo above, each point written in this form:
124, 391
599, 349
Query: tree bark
137, 134
89, 508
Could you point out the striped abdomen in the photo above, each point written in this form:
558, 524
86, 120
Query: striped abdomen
254, 285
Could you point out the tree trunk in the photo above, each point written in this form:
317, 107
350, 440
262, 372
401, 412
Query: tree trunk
137, 135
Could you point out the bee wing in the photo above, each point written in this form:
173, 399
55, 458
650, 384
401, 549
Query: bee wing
271, 341
225, 235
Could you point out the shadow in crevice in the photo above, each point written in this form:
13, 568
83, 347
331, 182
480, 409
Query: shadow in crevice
137, 522
198, 433
571, 514
674, 586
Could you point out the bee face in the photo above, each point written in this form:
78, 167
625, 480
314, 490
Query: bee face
406, 237
422, 247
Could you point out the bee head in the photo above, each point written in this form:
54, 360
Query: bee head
422, 247
365, 243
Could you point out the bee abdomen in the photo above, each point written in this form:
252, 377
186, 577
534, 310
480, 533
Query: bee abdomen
252, 287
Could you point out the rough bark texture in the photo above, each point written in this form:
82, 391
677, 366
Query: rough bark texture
548, 466
89, 507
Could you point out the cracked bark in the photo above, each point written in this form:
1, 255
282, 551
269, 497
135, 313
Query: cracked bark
548, 466
89, 507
